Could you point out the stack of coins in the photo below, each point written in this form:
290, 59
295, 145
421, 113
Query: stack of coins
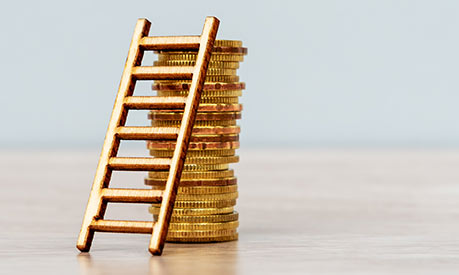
204, 208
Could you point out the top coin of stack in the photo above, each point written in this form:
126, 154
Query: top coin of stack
204, 208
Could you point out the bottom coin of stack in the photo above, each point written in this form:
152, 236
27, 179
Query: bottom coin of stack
204, 208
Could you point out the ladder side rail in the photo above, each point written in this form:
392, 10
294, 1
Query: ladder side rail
162, 225
96, 206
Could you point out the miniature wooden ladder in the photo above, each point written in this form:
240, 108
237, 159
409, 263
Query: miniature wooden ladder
100, 194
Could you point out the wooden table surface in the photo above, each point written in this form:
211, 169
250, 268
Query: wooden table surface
301, 212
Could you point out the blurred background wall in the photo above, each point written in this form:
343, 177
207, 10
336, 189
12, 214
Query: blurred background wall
318, 73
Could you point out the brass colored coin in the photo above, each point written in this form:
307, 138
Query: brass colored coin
216, 130
229, 50
153, 144
228, 43
177, 115
213, 71
203, 226
194, 211
215, 64
201, 233
197, 123
214, 138
192, 56
205, 94
207, 197
201, 190
221, 71
209, 78
205, 167
185, 86
212, 160
203, 219
194, 175
204, 109
155, 115
208, 182
219, 100
206, 153
203, 240
215, 50
201, 204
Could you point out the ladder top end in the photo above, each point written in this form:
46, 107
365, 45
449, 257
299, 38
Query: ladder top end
143, 20
213, 18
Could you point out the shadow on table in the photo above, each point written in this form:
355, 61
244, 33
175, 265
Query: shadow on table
202, 259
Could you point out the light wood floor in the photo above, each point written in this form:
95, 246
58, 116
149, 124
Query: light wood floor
301, 212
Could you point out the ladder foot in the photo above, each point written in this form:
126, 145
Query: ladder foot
155, 251
83, 248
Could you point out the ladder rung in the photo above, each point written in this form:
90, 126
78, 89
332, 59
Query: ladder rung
155, 102
139, 164
122, 226
148, 133
132, 195
170, 43
162, 72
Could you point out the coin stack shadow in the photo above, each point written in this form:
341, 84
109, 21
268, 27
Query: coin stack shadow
204, 208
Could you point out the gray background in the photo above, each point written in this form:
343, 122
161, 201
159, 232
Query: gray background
350, 73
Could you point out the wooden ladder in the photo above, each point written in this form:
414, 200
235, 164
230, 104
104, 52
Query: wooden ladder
100, 194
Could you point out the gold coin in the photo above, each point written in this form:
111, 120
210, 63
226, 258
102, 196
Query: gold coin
203, 219
205, 153
215, 50
215, 64
221, 71
220, 108
194, 175
202, 133
201, 233
201, 190
205, 167
154, 115
228, 43
203, 240
185, 86
193, 182
194, 211
207, 197
201, 204
216, 130
213, 138
211, 70
205, 135
219, 100
209, 78
203, 226
193, 145
197, 123
229, 50
205, 94
192, 56
205, 109
212, 160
